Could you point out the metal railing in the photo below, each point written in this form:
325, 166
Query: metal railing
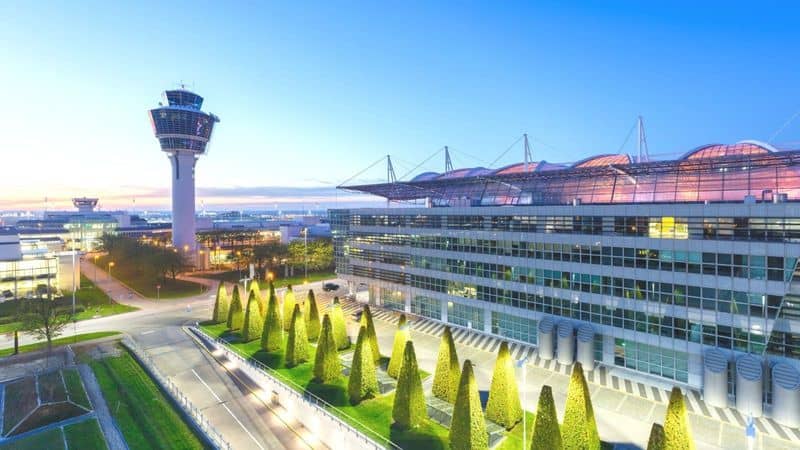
344, 420
191, 411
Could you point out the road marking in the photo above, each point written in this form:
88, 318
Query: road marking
207, 387
241, 425
148, 332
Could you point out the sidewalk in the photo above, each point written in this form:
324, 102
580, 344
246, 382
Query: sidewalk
625, 409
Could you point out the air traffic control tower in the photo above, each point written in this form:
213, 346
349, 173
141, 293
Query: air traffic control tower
183, 131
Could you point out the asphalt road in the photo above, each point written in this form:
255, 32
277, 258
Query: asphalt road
237, 414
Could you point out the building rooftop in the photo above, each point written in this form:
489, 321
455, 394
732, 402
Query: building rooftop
712, 173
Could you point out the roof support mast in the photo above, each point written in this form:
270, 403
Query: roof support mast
528, 157
644, 152
390, 175
448, 163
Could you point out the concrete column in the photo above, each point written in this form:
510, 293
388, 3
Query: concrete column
407, 298
566, 342
749, 385
487, 320
786, 395
444, 310
546, 344
586, 346
183, 208
715, 378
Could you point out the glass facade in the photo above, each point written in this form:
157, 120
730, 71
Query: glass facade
23, 278
465, 316
427, 307
651, 359
393, 299
514, 327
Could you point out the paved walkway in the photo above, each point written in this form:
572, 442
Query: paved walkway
625, 408
112, 433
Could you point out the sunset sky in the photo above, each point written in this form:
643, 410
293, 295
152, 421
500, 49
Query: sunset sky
309, 94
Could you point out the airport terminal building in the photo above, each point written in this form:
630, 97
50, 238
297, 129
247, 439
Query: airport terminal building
683, 270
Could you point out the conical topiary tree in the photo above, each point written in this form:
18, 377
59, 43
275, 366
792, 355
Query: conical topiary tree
339, 326
262, 305
297, 351
400, 338
677, 433
468, 426
504, 406
327, 366
272, 334
363, 381
546, 434
446, 377
579, 431
221, 304
409, 410
288, 306
273, 294
372, 336
235, 312
657, 439
252, 319
312, 317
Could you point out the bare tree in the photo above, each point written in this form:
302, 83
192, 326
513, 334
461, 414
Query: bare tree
41, 317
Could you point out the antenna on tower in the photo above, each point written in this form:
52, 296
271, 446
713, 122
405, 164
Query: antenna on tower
390, 175
448, 163
528, 156
644, 152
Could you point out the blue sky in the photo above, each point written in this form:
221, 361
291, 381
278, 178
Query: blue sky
311, 93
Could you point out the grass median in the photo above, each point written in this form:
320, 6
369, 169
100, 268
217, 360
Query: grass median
131, 272
90, 301
59, 342
373, 417
144, 414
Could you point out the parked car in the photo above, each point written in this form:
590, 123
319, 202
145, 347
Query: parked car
328, 287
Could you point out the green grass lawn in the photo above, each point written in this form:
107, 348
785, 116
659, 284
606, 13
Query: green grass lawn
90, 302
75, 390
130, 273
85, 435
513, 439
297, 281
51, 439
145, 416
59, 341
373, 417
20, 400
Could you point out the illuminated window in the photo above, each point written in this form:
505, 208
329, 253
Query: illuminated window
668, 228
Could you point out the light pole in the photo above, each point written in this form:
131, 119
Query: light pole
95, 267
110, 265
305, 253
158, 292
521, 364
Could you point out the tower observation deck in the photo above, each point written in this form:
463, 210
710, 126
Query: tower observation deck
183, 131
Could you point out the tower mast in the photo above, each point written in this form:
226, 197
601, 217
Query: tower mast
528, 157
448, 163
644, 152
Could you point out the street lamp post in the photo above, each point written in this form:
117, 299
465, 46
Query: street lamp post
158, 292
305, 253
110, 265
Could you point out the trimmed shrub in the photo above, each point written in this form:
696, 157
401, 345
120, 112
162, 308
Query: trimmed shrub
327, 366
656, 441
221, 304
297, 351
400, 338
288, 306
579, 431
273, 294
409, 409
262, 305
339, 326
468, 427
546, 434
366, 321
504, 406
312, 317
363, 381
272, 333
235, 313
446, 377
676, 425
252, 319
